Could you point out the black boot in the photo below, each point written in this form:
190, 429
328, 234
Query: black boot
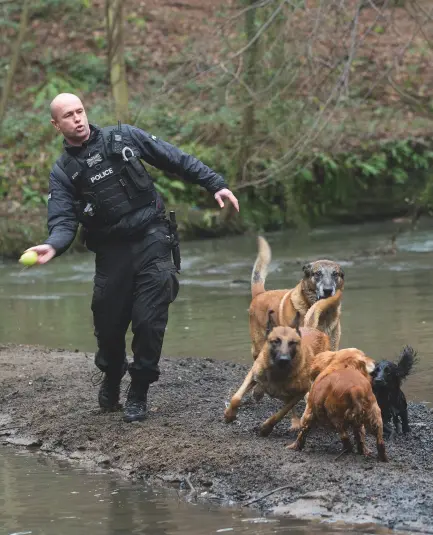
136, 402
109, 391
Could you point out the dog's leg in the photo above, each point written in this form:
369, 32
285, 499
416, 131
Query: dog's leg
397, 424
381, 453
388, 431
232, 409
347, 444
405, 421
258, 391
335, 336
306, 422
271, 422
359, 434
296, 422
375, 426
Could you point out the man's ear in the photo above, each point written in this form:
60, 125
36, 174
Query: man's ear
271, 323
296, 323
54, 123
308, 269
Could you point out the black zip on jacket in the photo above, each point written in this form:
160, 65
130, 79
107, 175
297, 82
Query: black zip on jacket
62, 196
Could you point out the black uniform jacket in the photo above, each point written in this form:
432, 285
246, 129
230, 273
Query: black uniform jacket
63, 196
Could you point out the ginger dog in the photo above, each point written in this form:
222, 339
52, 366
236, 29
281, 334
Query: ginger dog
342, 396
322, 279
282, 368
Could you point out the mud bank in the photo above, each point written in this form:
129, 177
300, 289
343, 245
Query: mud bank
48, 402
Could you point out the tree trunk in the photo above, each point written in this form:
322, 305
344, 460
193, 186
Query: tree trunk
16, 51
248, 117
116, 58
247, 97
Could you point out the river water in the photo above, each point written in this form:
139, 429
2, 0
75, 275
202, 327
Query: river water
43, 497
387, 303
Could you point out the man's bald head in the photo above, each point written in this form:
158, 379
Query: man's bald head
61, 100
69, 117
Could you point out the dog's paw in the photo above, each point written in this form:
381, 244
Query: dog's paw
265, 430
229, 415
294, 446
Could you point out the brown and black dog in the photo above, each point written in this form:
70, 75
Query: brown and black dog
282, 368
342, 397
322, 280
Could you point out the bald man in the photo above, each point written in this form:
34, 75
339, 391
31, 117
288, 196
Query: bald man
101, 182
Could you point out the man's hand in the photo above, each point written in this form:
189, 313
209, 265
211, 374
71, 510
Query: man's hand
226, 194
45, 252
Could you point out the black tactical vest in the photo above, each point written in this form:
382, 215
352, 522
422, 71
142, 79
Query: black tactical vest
110, 179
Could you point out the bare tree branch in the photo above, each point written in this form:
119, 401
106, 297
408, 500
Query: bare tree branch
268, 176
262, 29
7, 88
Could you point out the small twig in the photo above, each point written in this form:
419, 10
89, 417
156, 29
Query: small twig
266, 495
341, 454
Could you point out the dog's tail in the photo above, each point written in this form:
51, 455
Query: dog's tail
407, 359
312, 317
260, 269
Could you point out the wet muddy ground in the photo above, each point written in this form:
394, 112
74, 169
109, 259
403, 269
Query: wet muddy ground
48, 402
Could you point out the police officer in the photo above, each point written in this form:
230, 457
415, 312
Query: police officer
101, 182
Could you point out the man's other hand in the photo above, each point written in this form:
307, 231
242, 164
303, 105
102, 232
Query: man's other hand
226, 194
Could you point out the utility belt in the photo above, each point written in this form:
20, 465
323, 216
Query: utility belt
162, 224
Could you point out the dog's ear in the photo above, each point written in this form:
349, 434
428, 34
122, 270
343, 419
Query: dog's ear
271, 323
341, 272
296, 323
308, 269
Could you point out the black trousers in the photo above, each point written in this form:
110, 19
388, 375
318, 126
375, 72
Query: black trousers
135, 282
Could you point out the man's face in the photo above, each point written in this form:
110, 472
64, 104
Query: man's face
71, 120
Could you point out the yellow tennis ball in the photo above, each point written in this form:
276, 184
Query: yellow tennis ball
29, 258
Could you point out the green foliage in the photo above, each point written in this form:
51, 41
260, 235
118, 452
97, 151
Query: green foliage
201, 113
69, 75
385, 176
46, 8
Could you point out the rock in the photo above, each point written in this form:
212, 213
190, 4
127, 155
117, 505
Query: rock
5, 419
103, 460
76, 455
25, 441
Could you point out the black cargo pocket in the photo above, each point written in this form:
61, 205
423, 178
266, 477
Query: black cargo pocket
99, 286
136, 181
162, 245
170, 284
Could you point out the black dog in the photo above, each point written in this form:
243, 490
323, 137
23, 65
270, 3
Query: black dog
387, 378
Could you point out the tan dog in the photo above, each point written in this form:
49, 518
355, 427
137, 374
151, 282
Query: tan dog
342, 396
322, 279
282, 368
